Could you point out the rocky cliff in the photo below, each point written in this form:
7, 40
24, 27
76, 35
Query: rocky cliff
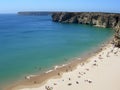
116, 40
106, 20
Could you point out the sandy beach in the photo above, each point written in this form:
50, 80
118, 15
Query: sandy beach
100, 72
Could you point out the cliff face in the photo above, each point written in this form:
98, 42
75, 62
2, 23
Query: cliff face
106, 20
117, 36
96, 19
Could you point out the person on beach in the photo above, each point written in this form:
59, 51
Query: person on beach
66, 70
82, 64
69, 84
95, 60
95, 64
87, 69
55, 83
58, 74
48, 88
27, 77
77, 82
116, 51
89, 81
100, 57
108, 54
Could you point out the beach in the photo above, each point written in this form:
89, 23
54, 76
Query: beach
34, 54
99, 72
63, 45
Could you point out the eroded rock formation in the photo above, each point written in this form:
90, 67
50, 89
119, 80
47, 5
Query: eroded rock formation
105, 20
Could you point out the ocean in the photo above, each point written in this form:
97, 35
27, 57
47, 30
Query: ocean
33, 44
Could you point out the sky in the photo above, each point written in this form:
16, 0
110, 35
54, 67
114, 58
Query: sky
14, 6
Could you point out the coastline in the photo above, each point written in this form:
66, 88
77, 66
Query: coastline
33, 81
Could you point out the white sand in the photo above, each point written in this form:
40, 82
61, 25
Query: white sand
104, 75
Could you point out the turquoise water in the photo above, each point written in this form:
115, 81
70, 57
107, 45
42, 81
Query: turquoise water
31, 44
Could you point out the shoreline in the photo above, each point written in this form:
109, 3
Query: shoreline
56, 72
